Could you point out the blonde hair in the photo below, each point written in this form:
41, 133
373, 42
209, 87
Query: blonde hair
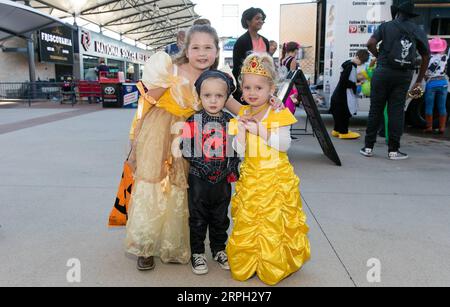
266, 61
183, 59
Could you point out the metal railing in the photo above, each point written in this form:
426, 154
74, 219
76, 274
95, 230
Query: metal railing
58, 92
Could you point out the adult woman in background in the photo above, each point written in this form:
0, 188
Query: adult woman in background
253, 20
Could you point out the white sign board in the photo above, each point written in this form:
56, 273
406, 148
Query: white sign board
98, 45
349, 25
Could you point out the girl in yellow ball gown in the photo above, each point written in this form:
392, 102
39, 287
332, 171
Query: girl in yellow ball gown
269, 237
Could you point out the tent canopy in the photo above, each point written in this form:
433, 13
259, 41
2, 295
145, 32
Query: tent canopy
151, 22
22, 21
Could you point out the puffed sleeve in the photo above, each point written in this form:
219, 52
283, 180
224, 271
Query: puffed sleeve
158, 71
280, 118
280, 139
161, 72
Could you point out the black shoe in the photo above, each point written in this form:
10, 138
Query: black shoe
199, 264
366, 152
222, 258
145, 264
397, 155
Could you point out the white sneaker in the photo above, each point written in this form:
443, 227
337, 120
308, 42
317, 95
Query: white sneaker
199, 264
222, 258
366, 152
397, 155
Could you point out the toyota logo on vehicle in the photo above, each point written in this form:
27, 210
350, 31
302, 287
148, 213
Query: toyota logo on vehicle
110, 90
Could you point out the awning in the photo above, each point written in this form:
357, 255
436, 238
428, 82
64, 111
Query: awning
22, 21
151, 22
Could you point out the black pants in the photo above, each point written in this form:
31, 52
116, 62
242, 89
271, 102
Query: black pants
208, 208
341, 120
388, 86
340, 111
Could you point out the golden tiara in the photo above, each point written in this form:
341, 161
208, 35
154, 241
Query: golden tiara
255, 67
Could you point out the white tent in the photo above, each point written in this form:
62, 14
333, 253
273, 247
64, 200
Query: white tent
17, 20
150, 22
22, 21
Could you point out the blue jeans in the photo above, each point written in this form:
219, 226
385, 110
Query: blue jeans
436, 95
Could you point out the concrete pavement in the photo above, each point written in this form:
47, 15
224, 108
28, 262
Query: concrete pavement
59, 180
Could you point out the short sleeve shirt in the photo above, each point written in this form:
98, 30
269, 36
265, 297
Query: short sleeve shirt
389, 32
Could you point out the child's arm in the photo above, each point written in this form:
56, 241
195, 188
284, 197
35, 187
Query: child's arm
344, 78
233, 168
148, 98
234, 159
233, 106
191, 149
278, 138
239, 142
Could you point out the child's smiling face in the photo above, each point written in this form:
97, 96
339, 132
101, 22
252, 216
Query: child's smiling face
202, 51
257, 90
213, 95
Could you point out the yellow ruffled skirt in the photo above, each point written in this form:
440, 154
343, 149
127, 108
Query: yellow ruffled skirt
158, 220
269, 237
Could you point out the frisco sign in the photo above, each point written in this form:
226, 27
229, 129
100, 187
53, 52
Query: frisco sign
56, 45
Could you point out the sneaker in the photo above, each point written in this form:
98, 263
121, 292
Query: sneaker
145, 264
397, 155
222, 258
199, 264
367, 152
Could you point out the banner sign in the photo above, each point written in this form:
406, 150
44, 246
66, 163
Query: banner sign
56, 45
94, 44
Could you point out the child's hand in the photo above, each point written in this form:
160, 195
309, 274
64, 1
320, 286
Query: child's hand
241, 125
373, 62
276, 104
252, 126
244, 119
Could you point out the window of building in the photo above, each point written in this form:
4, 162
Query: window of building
89, 65
119, 65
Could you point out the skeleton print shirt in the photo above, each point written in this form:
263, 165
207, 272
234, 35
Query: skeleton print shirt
389, 32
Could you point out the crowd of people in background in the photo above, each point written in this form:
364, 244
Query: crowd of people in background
384, 82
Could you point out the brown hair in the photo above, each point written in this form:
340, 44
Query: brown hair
183, 59
249, 14
363, 55
289, 47
202, 21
